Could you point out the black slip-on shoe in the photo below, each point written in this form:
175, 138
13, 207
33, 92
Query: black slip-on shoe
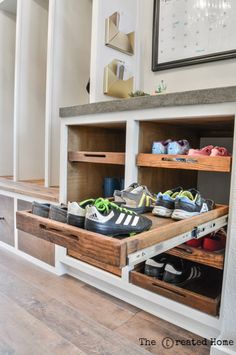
58, 213
41, 209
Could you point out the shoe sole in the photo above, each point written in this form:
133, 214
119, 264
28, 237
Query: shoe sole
101, 229
181, 214
162, 211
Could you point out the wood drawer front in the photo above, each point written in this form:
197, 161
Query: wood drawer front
96, 246
7, 220
29, 244
109, 268
205, 304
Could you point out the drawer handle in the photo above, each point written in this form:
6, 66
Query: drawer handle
54, 230
2, 218
95, 155
178, 293
180, 160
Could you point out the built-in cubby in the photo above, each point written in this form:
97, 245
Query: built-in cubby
162, 172
94, 152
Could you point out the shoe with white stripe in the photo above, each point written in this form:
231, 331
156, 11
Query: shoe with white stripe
107, 218
180, 272
190, 203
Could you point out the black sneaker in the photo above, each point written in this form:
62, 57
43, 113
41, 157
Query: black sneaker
179, 272
165, 203
190, 203
155, 266
107, 218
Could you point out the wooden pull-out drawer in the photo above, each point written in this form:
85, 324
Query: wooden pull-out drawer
108, 250
99, 247
202, 294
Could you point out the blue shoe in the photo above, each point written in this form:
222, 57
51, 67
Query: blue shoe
160, 147
165, 203
190, 203
178, 147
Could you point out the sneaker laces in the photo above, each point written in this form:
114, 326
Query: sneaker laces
104, 205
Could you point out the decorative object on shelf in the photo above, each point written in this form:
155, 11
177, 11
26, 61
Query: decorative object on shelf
193, 33
160, 88
114, 84
116, 39
138, 93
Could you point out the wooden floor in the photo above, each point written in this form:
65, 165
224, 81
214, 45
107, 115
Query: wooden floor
41, 313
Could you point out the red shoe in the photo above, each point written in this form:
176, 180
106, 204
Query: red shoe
220, 152
204, 151
215, 241
195, 243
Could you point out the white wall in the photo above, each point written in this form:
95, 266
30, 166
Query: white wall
31, 57
209, 75
7, 68
102, 55
68, 70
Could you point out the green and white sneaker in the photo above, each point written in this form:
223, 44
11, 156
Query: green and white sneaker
107, 218
77, 211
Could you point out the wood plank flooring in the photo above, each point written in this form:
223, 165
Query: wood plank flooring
41, 313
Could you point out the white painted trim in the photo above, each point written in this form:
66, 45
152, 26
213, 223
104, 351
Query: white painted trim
49, 90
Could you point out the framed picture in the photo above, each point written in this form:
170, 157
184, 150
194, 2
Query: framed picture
187, 32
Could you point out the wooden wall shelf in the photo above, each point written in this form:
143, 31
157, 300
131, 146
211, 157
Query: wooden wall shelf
199, 256
187, 162
97, 157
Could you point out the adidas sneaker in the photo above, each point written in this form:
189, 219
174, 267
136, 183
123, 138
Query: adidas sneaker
107, 218
179, 272
165, 203
77, 211
190, 203
139, 200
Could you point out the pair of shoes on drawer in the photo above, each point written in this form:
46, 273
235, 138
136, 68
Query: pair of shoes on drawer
172, 270
46, 210
180, 147
136, 198
181, 204
211, 151
105, 217
213, 242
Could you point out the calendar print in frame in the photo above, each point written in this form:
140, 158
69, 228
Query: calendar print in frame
187, 32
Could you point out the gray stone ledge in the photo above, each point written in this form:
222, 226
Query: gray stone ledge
195, 97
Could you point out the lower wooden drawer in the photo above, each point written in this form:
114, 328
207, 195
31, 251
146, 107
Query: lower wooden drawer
7, 220
202, 294
31, 245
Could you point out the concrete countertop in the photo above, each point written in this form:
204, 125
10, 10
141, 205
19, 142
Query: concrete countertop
195, 97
